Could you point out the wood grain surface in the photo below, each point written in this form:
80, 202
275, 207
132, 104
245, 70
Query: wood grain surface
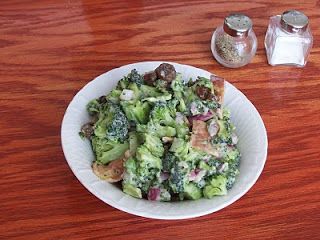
50, 49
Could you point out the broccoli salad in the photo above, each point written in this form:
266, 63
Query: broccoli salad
163, 137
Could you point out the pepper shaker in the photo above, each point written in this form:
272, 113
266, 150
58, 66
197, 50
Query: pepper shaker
234, 43
288, 39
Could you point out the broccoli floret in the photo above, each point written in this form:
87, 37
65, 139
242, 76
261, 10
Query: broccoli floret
161, 98
168, 161
114, 96
156, 129
231, 178
213, 162
93, 107
107, 151
154, 144
135, 77
204, 82
118, 129
112, 123
179, 147
193, 157
148, 91
233, 156
192, 191
161, 113
182, 130
137, 112
161, 85
189, 96
146, 159
172, 104
131, 190
177, 85
177, 179
123, 83
147, 177
215, 187
197, 107
225, 132
130, 165
211, 104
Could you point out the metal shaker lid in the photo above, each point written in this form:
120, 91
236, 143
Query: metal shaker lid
237, 25
294, 21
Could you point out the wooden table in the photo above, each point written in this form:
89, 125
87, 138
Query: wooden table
50, 49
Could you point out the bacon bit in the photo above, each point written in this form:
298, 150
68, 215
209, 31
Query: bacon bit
200, 137
218, 87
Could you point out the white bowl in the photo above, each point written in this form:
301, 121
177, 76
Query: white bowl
251, 131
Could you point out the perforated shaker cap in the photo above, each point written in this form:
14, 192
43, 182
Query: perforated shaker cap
237, 25
294, 21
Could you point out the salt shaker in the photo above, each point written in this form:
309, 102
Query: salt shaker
288, 39
234, 43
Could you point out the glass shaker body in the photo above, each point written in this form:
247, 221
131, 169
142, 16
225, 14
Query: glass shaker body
234, 43
287, 47
233, 51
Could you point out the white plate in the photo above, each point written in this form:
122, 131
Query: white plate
251, 131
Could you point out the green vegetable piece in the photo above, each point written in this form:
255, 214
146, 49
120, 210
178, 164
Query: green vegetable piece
204, 82
123, 83
157, 129
133, 142
177, 179
182, 106
193, 156
161, 85
189, 96
177, 85
107, 151
130, 165
116, 152
137, 112
182, 131
232, 155
148, 91
112, 123
136, 91
154, 144
204, 166
93, 107
114, 96
162, 114
180, 147
192, 192
168, 161
131, 190
135, 77
216, 187
165, 195
146, 159
225, 130
162, 98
